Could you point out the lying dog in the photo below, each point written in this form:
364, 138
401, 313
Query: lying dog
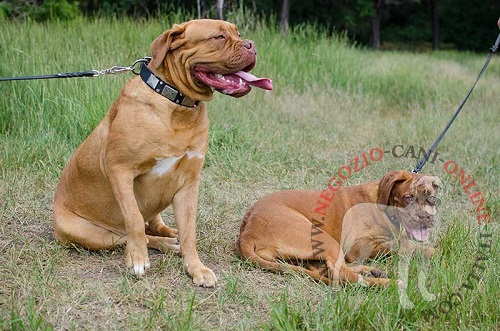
285, 230
148, 151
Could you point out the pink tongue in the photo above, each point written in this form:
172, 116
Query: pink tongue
420, 234
263, 83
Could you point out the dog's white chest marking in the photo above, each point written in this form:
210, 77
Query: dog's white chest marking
191, 154
164, 165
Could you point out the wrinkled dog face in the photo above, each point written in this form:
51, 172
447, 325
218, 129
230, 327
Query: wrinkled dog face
415, 197
416, 201
207, 55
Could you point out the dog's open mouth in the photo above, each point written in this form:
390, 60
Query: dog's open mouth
418, 233
235, 84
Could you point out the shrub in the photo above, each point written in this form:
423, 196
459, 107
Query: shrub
40, 11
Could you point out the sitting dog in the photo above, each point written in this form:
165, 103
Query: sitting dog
149, 149
289, 229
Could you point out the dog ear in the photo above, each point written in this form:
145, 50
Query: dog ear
164, 43
437, 182
438, 185
386, 185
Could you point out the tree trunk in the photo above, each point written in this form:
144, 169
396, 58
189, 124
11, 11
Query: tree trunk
218, 11
285, 15
375, 35
201, 7
435, 24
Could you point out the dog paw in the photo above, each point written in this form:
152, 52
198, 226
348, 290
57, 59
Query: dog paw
377, 273
137, 258
370, 281
203, 276
168, 245
362, 281
170, 232
160, 229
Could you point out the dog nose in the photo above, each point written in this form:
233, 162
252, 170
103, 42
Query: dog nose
249, 44
432, 200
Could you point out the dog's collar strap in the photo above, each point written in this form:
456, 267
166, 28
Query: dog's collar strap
165, 89
391, 214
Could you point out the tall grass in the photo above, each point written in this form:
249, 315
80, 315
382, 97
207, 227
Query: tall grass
332, 101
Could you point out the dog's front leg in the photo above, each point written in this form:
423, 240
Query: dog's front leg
185, 204
136, 251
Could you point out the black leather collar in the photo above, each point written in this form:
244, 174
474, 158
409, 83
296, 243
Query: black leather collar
391, 214
165, 89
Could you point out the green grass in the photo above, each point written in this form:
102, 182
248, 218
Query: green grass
332, 102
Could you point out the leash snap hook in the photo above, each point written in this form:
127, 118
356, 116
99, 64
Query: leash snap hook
136, 68
111, 71
118, 70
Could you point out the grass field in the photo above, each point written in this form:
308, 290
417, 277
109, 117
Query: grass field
332, 102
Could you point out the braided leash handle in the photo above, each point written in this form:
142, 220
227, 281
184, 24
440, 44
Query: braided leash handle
89, 73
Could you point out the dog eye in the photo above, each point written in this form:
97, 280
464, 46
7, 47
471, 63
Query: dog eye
408, 199
220, 37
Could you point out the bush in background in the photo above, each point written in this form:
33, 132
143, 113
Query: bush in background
39, 10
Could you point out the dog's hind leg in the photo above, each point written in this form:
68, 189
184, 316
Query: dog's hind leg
69, 228
302, 241
156, 227
164, 244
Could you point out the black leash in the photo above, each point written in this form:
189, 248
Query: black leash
139, 67
90, 73
424, 159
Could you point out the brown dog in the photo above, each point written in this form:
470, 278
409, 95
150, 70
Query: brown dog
308, 229
148, 151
